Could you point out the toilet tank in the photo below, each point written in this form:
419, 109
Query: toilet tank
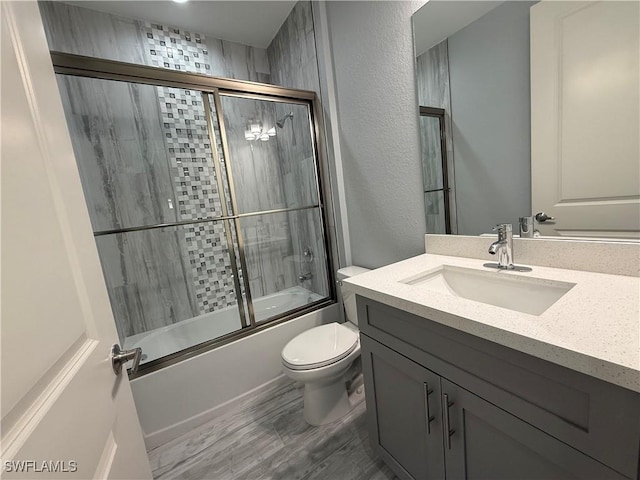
349, 297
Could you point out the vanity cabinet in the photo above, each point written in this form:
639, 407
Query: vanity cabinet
445, 404
407, 411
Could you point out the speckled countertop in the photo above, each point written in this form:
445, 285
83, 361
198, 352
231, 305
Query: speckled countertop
594, 328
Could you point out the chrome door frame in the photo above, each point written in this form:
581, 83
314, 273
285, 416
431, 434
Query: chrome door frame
82, 66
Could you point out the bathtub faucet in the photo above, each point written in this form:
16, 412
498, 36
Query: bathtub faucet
308, 255
305, 276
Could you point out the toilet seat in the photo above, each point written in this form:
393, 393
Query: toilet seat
319, 346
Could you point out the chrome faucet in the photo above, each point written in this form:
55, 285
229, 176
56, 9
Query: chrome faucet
305, 276
527, 229
308, 255
503, 247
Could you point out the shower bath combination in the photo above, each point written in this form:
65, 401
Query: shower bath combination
202, 297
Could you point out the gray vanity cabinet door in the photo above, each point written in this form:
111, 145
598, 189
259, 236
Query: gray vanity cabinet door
403, 403
485, 442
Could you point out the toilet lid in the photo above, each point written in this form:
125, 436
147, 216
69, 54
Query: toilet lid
319, 346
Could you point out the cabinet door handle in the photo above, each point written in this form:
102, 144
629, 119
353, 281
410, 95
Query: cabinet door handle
447, 423
430, 418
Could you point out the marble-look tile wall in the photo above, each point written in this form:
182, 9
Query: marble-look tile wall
128, 172
160, 294
293, 60
190, 190
296, 153
267, 245
159, 167
191, 267
292, 52
258, 182
432, 71
81, 31
134, 170
190, 155
118, 142
254, 164
432, 174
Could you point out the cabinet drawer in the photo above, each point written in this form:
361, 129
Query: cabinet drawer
595, 417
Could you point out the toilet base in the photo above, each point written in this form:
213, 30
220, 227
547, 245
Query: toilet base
325, 403
326, 397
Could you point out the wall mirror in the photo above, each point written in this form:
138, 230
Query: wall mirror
540, 111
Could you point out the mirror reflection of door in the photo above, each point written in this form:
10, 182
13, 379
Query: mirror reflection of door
585, 168
434, 167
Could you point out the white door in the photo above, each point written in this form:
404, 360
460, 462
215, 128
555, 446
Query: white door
65, 414
585, 111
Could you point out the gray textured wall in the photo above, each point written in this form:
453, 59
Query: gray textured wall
489, 68
376, 102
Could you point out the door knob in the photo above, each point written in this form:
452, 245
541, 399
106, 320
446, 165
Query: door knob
119, 357
542, 217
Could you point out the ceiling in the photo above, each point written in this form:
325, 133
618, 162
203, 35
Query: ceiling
252, 23
439, 19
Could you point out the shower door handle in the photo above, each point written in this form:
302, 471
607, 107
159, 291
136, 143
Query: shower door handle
119, 357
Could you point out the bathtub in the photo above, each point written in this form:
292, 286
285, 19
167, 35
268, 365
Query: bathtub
178, 398
187, 333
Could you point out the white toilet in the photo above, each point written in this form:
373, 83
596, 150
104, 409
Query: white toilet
320, 358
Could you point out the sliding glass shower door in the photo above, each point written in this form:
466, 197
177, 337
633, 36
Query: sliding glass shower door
151, 184
270, 146
205, 206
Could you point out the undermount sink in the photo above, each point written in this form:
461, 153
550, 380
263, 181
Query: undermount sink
514, 292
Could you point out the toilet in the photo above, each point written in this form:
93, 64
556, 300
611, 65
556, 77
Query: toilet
321, 357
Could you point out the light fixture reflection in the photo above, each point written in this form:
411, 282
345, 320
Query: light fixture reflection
255, 131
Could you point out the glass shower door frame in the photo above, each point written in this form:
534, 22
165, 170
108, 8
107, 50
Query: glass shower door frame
238, 216
226, 213
76, 65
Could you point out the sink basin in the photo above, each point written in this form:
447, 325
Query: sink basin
499, 288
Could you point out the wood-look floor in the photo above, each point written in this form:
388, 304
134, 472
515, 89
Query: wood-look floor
266, 437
